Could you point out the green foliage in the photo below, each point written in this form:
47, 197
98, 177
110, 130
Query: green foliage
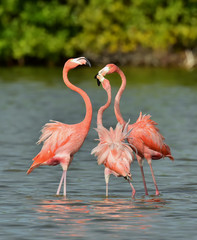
50, 30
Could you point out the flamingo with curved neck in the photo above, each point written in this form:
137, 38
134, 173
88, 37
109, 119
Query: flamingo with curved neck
145, 139
61, 141
112, 151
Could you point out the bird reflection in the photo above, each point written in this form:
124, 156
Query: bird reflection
61, 207
135, 214
71, 213
77, 216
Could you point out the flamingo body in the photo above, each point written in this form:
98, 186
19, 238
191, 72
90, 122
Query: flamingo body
61, 141
112, 150
147, 139
144, 138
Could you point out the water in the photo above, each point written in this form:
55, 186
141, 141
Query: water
29, 208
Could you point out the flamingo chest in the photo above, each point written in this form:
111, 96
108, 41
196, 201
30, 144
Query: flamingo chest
75, 142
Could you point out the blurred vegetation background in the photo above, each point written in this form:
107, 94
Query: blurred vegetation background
138, 32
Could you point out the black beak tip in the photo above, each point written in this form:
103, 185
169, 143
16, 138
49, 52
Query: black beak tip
88, 62
98, 82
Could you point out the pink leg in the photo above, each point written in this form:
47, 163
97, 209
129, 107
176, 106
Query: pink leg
60, 184
143, 177
133, 189
157, 190
140, 162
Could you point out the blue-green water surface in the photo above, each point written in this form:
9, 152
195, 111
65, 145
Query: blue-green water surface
29, 208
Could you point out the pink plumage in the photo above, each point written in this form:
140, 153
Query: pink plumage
112, 151
145, 138
61, 141
56, 136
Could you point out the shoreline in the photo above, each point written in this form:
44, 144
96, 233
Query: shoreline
148, 58
141, 58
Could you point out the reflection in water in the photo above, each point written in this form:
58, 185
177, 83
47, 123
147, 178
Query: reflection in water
71, 213
132, 212
119, 214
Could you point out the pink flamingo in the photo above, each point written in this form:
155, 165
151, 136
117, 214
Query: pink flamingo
145, 139
112, 151
62, 141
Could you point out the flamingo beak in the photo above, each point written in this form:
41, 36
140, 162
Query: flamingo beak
128, 177
98, 82
79, 61
87, 62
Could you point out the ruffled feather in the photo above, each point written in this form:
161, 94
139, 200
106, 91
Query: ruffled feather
54, 135
112, 150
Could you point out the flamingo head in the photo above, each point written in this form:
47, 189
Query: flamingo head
74, 62
128, 176
105, 83
108, 69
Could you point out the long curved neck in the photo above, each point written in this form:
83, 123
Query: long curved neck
118, 97
103, 108
88, 116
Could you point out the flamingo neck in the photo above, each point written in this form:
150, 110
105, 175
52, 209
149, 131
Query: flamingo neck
88, 116
103, 108
118, 97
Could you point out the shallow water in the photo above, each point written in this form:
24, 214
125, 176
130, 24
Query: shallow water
29, 208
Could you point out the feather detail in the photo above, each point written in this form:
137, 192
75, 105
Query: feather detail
147, 138
112, 150
54, 135
146, 119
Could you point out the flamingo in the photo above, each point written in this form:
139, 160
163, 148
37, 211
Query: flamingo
112, 151
144, 138
62, 141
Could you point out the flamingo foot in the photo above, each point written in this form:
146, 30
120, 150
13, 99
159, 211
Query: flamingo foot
153, 176
157, 193
146, 192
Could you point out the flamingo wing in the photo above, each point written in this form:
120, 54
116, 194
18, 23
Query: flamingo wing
54, 135
144, 134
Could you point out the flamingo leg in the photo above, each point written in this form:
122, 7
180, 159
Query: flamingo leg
144, 181
140, 162
133, 189
107, 175
153, 176
60, 184
107, 189
65, 182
